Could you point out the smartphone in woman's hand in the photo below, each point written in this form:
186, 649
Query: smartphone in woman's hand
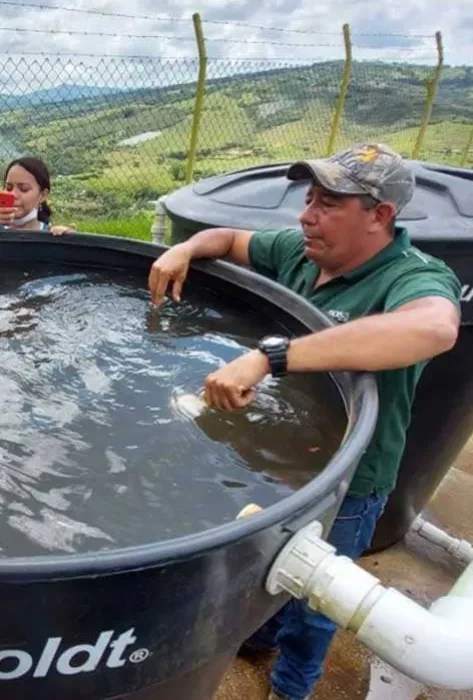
7, 209
7, 200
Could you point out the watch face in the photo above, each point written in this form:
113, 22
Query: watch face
273, 341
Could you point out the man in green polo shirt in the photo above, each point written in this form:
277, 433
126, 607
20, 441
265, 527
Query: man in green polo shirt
395, 308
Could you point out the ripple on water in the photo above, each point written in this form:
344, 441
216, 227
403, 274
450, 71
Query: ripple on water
105, 440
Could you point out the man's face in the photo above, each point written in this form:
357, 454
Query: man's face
336, 228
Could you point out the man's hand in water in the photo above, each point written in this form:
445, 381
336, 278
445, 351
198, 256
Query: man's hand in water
232, 386
171, 266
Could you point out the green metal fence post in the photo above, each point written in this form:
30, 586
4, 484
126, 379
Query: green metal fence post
344, 85
469, 144
431, 85
199, 95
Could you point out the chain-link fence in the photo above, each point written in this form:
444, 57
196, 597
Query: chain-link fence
111, 149
116, 132
449, 135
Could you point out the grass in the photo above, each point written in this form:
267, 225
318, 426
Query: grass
445, 142
137, 227
266, 117
300, 138
249, 123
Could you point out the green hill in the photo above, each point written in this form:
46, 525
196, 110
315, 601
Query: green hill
111, 152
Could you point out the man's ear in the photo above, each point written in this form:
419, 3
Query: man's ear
385, 212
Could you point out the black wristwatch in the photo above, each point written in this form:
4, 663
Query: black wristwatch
275, 348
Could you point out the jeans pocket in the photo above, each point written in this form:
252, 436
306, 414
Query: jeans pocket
354, 527
345, 534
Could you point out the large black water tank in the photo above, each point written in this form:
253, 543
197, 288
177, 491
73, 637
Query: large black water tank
440, 221
163, 621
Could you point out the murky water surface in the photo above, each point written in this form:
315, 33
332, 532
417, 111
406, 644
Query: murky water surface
102, 441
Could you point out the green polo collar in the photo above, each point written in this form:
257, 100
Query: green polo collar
392, 251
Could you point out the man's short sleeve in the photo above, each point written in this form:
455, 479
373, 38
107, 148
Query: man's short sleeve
269, 249
435, 280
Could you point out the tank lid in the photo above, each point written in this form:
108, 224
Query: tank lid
262, 196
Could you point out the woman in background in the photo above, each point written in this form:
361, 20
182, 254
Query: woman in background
29, 180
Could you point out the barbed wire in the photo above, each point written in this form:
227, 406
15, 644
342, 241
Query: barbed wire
169, 18
280, 60
100, 13
166, 37
68, 55
72, 32
116, 35
141, 58
310, 31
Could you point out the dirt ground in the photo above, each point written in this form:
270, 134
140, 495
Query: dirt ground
413, 567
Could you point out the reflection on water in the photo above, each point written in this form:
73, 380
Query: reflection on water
98, 447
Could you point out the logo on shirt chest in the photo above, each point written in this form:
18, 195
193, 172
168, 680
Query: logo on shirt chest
467, 293
339, 316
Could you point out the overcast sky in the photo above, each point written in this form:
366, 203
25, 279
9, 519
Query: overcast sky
396, 30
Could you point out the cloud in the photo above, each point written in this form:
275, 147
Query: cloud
281, 31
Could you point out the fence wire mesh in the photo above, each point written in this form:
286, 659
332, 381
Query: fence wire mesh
269, 113
115, 131
451, 123
113, 144
385, 103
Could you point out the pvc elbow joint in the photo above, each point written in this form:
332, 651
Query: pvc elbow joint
434, 647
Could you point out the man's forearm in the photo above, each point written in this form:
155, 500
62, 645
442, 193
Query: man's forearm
210, 243
374, 343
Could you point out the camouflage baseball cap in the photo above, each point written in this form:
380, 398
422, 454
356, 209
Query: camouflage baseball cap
372, 169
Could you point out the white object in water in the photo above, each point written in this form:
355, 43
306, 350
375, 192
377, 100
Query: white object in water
250, 509
191, 405
433, 646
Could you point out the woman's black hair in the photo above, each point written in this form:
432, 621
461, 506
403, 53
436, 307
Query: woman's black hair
38, 169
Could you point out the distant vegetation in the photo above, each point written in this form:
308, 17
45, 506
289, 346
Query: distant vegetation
103, 183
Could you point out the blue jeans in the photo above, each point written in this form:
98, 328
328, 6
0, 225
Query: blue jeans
303, 636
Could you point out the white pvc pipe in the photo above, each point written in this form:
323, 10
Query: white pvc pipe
460, 549
434, 646
158, 227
